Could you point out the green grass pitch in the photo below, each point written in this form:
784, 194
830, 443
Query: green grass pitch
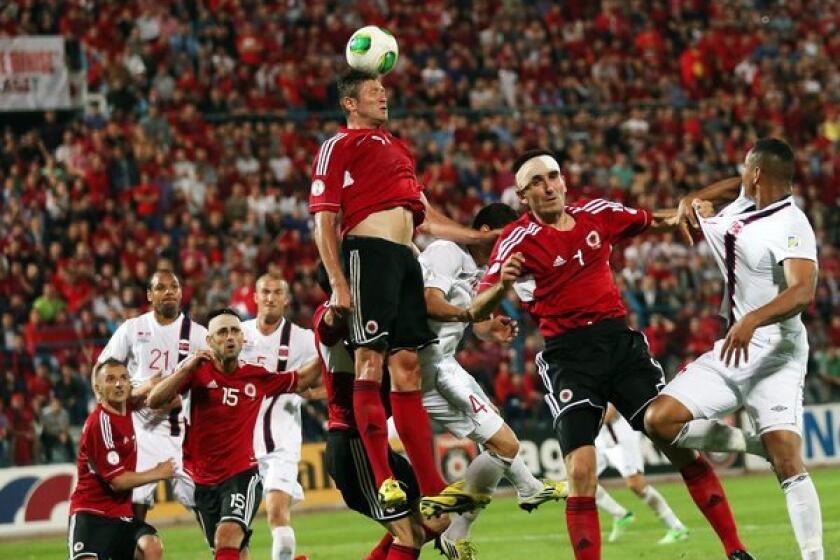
503, 532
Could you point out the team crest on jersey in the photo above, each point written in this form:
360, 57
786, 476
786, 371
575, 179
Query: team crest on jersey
250, 390
183, 346
371, 327
318, 187
793, 242
77, 547
283, 352
112, 457
735, 228
565, 395
593, 239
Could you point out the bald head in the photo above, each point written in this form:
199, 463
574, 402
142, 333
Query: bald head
271, 297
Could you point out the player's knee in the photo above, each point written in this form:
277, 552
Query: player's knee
150, 547
504, 443
278, 517
659, 422
404, 367
784, 451
580, 465
228, 535
369, 364
636, 484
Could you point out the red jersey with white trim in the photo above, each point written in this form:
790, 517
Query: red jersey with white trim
363, 171
223, 409
338, 371
107, 449
567, 282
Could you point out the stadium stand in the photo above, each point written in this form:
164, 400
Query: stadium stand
203, 117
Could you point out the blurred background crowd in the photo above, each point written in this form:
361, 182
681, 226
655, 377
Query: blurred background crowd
193, 153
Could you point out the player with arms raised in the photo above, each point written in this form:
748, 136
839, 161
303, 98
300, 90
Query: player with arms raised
591, 357
225, 398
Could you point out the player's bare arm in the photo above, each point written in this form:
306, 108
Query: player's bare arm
500, 329
663, 220
721, 192
437, 224
167, 389
327, 241
309, 376
485, 302
128, 480
441, 310
801, 279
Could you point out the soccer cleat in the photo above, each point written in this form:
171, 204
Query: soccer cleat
453, 499
620, 526
741, 555
461, 549
551, 490
674, 535
391, 493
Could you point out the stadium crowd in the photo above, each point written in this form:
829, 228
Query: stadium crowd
198, 160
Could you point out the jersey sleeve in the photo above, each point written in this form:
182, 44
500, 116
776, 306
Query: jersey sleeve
620, 222
440, 262
119, 345
327, 177
198, 338
105, 459
508, 243
795, 241
301, 347
192, 380
280, 383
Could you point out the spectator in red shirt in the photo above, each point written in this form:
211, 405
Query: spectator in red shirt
22, 430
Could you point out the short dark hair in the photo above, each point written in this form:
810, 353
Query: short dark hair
150, 283
495, 216
348, 83
105, 364
775, 157
520, 161
223, 311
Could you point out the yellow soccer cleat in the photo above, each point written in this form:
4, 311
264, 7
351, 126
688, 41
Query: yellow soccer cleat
453, 499
461, 549
391, 493
551, 490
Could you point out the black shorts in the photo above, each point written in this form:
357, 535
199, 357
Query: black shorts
348, 466
386, 282
105, 537
586, 368
236, 499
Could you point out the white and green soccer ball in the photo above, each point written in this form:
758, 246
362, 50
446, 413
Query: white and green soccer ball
373, 50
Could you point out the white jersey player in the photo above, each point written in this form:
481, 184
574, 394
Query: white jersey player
277, 344
767, 252
151, 346
452, 396
618, 446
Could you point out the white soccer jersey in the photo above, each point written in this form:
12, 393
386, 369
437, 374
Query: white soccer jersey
750, 246
449, 268
148, 348
281, 431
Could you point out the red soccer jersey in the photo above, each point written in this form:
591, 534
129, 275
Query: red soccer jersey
363, 171
107, 449
337, 369
567, 282
223, 411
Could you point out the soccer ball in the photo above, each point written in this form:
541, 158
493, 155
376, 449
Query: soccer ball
373, 50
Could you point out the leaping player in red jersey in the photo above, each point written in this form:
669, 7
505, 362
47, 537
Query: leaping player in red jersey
225, 398
367, 174
559, 257
102, 523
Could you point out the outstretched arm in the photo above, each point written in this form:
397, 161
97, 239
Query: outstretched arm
721, 192
308, 376
439, 225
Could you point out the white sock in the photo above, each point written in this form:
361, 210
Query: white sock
711, 435
606, 502
803, 506
660, 507
283, 545
520, 476
460, 525
485, 472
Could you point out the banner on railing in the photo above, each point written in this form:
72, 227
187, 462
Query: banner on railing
34, 74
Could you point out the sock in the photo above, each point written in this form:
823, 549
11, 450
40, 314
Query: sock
660, 507
381, 550
707, 493
227, 554
415, 431
608, 503
584, 527
400, 552
283, 543
485, 472
460, 525
520, 476
712, 435
371, 422
803, 506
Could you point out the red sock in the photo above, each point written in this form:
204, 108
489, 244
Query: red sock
584, 527
416, 435
706, 491
227, 554
400, 552
381, 550
372, 424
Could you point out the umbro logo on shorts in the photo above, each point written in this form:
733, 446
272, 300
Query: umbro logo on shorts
779, 408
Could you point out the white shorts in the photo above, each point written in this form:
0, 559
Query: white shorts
769, 386
618, 445
454, 398
153, 446
280, 473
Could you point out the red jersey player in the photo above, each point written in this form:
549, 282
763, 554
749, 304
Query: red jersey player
225, 398
561, 256
102, 524
367, 174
